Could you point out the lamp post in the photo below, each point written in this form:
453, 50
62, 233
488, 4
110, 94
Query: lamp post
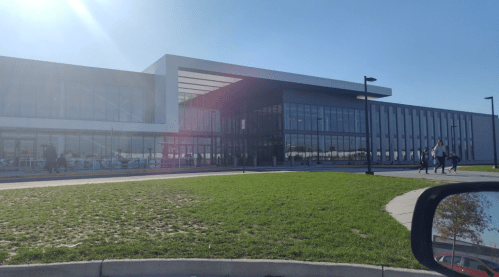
453, 138
318, 160
368, 79
493, 131
211, 158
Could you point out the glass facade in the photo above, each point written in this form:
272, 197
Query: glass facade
78, 101
83, 151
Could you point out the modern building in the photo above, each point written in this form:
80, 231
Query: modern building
182, 110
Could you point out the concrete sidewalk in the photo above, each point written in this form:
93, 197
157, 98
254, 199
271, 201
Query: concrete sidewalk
207, 267
402, 207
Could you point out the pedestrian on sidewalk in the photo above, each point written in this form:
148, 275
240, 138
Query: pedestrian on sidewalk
455, 159
439, 151
424, 161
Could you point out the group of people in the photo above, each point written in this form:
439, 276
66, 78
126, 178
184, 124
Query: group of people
51, 160
438, 153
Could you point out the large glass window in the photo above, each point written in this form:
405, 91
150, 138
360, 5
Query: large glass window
86, 147
345, 121
124, 146
72, 149
341, 155
362, 121
314, 118
42, 141
314, 147
99, 147
287, 117
138, 147
321, 115
308, 118
357, 121
293, 116
301, 117
308, 145
327, 147
334, 120
353, 149
302, 148
351, 120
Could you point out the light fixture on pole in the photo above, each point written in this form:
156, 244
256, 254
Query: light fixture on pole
318, 160
366, 79
493, 131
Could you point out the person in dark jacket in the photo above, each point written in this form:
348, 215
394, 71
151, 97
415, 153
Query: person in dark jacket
50, 158
61, 162
424, 161
455, 159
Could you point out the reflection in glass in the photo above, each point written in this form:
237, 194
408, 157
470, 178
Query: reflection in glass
465, 233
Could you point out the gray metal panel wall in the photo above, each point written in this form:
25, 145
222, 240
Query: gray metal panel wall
482, 137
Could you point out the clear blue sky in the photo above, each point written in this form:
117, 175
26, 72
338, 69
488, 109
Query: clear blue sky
442, 54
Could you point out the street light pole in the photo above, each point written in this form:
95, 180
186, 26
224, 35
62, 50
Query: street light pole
370, 79
318, 160
493, 131
453, 138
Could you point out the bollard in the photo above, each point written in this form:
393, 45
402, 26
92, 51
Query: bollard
234, 160
274, 161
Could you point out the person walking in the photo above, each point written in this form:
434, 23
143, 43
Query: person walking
50, 158
424, 161
440, 156
455, 159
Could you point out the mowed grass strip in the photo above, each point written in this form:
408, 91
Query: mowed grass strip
325, 217
483, 168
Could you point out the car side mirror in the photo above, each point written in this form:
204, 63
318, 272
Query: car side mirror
454, 222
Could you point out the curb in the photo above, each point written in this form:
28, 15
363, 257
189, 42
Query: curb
203, 267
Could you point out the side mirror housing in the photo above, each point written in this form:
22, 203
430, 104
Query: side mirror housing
422, 221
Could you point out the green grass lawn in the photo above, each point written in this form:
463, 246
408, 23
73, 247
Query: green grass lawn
325, 217
484, 168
